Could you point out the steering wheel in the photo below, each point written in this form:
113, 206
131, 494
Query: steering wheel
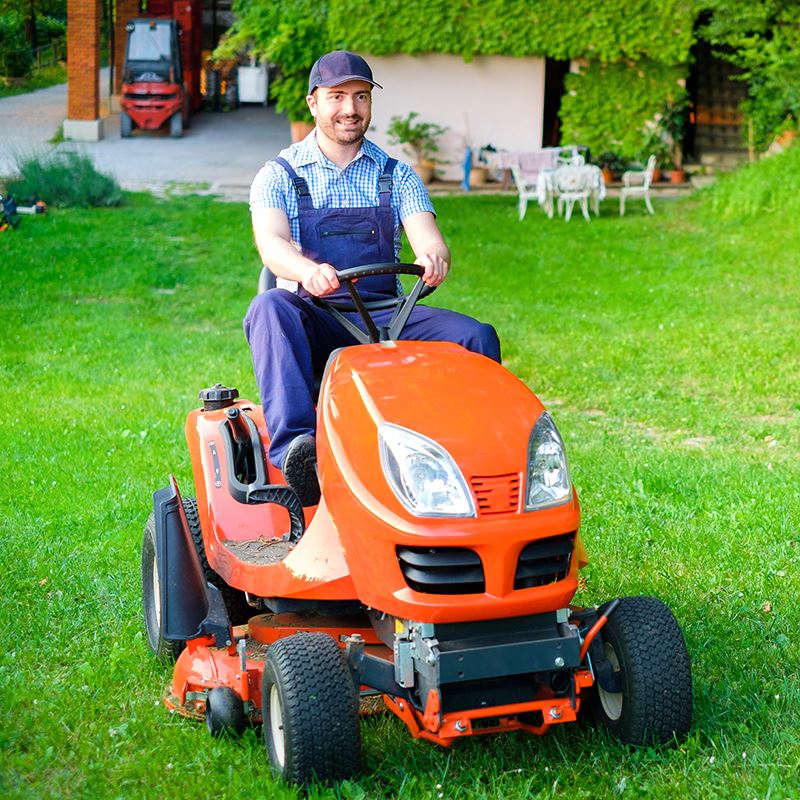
402, 304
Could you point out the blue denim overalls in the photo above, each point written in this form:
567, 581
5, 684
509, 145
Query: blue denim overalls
349, 237
290, 338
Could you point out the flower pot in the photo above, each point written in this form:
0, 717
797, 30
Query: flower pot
677, 176
300, 130
608, 176
656, 175
425, 171
477, 176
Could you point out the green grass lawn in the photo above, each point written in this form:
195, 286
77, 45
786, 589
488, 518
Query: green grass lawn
666, 349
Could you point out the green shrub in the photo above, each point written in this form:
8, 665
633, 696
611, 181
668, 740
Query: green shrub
763, 187
66, 179
16, 58
619, 107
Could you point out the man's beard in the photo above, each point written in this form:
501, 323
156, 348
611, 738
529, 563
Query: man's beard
344, 134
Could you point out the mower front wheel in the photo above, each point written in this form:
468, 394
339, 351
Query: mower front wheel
645, 647
166, 650
310, 709
224, 712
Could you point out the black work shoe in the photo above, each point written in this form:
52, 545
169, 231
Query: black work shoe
300, 469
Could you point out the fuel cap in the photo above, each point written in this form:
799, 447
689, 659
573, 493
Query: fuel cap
218, 396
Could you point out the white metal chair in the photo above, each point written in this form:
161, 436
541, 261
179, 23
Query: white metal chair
573, 184
526, 187
525, 169
636, 183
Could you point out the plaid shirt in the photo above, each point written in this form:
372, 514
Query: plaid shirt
355, 186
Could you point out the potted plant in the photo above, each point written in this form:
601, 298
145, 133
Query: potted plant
419, 139
673, 126
611, 166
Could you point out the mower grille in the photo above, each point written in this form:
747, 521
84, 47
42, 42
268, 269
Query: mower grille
442, 570
544, 561
496, 494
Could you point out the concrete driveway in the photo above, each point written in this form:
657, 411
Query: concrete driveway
220, 153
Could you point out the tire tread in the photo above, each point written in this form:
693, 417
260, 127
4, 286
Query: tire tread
320, 706
656, 673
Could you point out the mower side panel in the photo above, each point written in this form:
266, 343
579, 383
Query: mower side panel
314, 570
190, 607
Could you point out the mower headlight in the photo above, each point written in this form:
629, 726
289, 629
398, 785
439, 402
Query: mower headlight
422, 474
548, 482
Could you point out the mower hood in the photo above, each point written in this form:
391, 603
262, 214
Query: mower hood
469, 405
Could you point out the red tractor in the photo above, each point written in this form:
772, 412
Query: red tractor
161, 76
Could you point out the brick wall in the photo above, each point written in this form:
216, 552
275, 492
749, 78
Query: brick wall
83, 59
126, 10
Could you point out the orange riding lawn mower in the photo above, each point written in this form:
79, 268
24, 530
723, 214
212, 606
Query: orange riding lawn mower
435, 576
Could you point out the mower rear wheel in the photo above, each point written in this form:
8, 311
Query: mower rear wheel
176, 125
165, 650
239, 611
645, 646
125, 124
310, 710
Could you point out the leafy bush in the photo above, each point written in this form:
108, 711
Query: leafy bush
67, 179
766, 186
16, 58
292, 34
617, 107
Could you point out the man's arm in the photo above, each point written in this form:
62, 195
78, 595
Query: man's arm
429, 247
274, 242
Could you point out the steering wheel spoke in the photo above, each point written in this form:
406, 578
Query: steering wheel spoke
403, 305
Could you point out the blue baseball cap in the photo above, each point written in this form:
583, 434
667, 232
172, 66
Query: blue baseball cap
339, 67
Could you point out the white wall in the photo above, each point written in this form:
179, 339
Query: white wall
495, 100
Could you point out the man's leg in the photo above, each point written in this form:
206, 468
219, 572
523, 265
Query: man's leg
290, 341
431, 324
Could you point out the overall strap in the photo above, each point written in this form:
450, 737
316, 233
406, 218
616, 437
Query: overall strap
300, 186
385, 183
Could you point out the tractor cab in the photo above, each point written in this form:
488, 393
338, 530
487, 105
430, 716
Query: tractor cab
152, 53
152, 82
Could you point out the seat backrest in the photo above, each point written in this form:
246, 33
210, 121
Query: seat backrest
266, 280
524, 183
648, 171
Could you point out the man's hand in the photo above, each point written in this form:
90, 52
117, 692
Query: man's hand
321, 280
436, 268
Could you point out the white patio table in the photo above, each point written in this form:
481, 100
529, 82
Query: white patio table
548, 197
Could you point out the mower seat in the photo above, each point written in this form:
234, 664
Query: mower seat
267, 281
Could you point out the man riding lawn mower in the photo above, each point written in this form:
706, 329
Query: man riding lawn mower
437, 564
